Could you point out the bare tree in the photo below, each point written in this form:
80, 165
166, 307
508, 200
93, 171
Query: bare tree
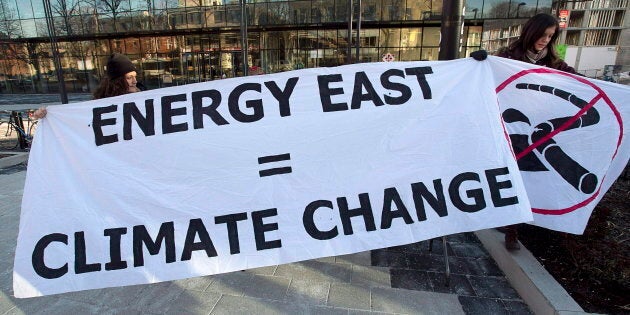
14, 53
9, 23
35, 54
280, 14
150, 6
69, 11
90, 21
500, 10
112, 7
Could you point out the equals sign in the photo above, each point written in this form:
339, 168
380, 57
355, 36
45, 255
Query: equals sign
275, 170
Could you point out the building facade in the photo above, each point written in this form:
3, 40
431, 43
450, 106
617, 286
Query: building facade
595, 39
177, 42
598, 36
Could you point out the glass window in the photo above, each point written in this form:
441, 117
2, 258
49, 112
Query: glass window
327, 38
331, 58
431, 36
341, 12
429, 53
253, 41
219, 17
495, 9
33, 9
411, 37
369, 38
474, 8
436, 7
389, 37
29, 28
22, 11
259, 14
472, 36
430, 10
233, 15
40, 27
230, 41
319, 11
169, 4
300, 11
160, 20
416, 10
9, 20
393, 10
371, 10
306, 39
410, 54
369, 55
278, 13
544, 6
273, 40
194, 18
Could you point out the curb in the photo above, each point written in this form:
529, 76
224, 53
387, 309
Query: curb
540, 291
14, 158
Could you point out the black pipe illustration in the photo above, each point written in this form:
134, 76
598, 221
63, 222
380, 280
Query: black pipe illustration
570, 170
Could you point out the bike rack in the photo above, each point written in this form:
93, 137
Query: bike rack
17, 118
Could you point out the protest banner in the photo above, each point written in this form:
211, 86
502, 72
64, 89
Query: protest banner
569, 138
248, 172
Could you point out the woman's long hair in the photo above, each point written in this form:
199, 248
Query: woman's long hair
111, 87
533, 30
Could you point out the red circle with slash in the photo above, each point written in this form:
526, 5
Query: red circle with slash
601, 95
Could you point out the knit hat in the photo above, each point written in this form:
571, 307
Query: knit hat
119, 65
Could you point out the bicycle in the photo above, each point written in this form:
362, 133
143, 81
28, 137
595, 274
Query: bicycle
13, 134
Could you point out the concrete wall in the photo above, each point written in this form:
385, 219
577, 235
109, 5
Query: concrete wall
591, 60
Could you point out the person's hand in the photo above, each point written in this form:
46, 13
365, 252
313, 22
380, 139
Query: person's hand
40, 113
479, 55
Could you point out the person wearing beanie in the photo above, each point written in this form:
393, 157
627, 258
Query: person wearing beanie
120, 79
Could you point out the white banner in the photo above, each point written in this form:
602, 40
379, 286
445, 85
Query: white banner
255, 171
569, 138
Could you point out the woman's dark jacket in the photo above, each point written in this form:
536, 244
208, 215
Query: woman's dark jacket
518, 54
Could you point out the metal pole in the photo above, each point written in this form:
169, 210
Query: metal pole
55, 50
349, 50
358, 42
244, 47
452, 22
447, 269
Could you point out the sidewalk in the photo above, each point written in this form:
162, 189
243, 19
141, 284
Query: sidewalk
41, 99
10, 102
400, 280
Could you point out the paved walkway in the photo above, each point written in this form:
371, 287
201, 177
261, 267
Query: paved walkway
19, 102
41, 99
399, 280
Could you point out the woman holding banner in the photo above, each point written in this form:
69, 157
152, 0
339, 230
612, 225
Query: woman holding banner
535, 45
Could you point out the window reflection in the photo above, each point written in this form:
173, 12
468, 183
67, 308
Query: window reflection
200, 40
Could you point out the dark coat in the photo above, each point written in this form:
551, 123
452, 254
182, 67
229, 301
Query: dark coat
518, 54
